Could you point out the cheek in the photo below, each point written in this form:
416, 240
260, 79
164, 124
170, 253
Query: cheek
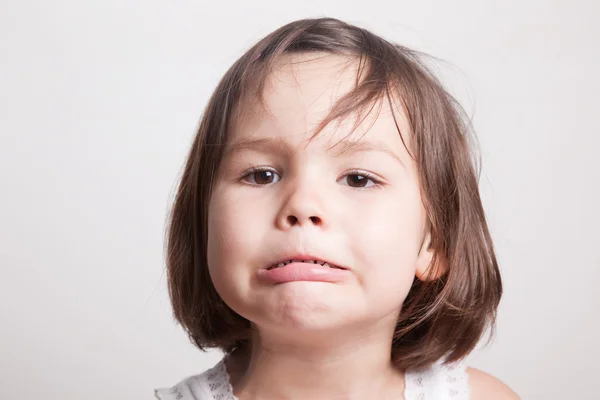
226, 243
228, 223
387, 244
234, 244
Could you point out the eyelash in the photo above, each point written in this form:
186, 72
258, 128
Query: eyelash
377, 183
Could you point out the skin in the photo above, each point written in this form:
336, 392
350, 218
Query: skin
360, 209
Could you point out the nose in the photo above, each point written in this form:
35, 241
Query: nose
303, 207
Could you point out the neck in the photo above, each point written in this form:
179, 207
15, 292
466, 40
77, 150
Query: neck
333, 366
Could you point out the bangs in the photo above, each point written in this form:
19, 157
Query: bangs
374, 84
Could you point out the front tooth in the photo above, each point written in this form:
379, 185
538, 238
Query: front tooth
284, 263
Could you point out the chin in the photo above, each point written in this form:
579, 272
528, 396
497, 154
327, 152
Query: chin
305, 307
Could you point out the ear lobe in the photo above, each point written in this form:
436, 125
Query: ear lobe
426, 271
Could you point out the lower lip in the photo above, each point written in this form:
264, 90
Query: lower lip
299, 271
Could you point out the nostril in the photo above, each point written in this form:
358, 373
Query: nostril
293, 220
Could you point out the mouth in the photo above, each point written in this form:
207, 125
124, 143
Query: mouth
303, 268
322, 263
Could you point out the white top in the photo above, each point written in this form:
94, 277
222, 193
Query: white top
439, 382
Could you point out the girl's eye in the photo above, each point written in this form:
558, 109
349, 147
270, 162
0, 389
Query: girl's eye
361, 180
358, 179
261, 177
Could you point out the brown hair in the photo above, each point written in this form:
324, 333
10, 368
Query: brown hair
441, 318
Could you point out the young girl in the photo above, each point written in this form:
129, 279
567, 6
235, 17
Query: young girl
328, 233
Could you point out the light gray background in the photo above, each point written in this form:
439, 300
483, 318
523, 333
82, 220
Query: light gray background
99, 101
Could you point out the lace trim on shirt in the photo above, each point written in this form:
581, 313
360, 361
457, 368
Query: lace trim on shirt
438, 382
458, 381
219, 383
450, 381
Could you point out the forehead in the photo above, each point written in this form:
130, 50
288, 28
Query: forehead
301, 91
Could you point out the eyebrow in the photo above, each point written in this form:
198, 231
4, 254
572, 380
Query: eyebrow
349, 146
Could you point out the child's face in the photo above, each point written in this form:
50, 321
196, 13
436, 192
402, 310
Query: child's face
309, 203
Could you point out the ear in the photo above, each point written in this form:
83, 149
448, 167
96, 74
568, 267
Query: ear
426, 271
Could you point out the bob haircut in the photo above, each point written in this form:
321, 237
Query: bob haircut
442, 318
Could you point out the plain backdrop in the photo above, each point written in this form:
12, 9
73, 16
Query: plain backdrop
99, 101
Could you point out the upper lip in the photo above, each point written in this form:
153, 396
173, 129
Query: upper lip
304, 257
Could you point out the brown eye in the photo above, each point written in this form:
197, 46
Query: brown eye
355, 180
262, 177
360, 180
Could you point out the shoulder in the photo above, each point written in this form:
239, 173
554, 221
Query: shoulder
208, 385
457, 382
487, 387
